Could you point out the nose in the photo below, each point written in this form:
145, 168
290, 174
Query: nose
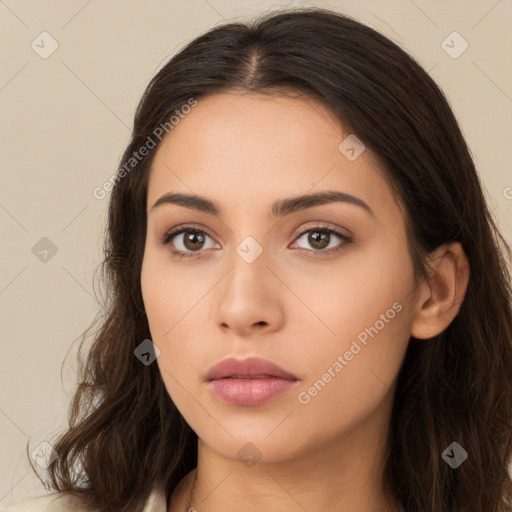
250, 298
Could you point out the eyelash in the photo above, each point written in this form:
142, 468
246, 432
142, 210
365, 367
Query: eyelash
316, 252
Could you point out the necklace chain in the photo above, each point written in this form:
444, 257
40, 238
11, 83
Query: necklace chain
188, 507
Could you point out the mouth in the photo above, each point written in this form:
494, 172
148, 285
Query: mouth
249, 382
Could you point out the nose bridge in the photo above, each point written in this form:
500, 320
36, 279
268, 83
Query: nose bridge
247, 295
249, 264
249, 241
250, 250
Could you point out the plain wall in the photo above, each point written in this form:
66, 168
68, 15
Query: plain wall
65, 120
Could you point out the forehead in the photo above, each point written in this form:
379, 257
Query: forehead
248, 149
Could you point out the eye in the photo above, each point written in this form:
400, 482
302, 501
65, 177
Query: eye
187, 241
322, 240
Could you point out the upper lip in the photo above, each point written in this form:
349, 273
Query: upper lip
250, 367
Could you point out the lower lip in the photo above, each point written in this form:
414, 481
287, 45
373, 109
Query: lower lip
250, 391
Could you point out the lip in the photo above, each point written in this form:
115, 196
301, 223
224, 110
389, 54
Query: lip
250, 367
251, 381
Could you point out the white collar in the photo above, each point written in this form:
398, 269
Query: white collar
157, 501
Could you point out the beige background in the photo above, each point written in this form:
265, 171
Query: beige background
65, 120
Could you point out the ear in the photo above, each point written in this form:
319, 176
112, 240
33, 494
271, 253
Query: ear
441, 297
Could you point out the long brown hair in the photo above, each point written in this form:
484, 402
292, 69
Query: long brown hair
126, 435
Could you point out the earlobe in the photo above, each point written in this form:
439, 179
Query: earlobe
441, 297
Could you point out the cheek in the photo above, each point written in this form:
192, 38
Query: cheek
356, 293
170, 295
350, 378
174, 300
367, 307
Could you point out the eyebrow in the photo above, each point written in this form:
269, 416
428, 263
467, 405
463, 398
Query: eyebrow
279, 208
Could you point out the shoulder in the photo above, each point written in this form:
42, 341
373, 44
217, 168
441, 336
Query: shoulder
54, 502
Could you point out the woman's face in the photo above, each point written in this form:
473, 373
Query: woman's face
264, 277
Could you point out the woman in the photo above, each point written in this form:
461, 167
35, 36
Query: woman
309, 302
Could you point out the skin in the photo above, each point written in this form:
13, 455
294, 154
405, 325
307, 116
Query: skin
245, 151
